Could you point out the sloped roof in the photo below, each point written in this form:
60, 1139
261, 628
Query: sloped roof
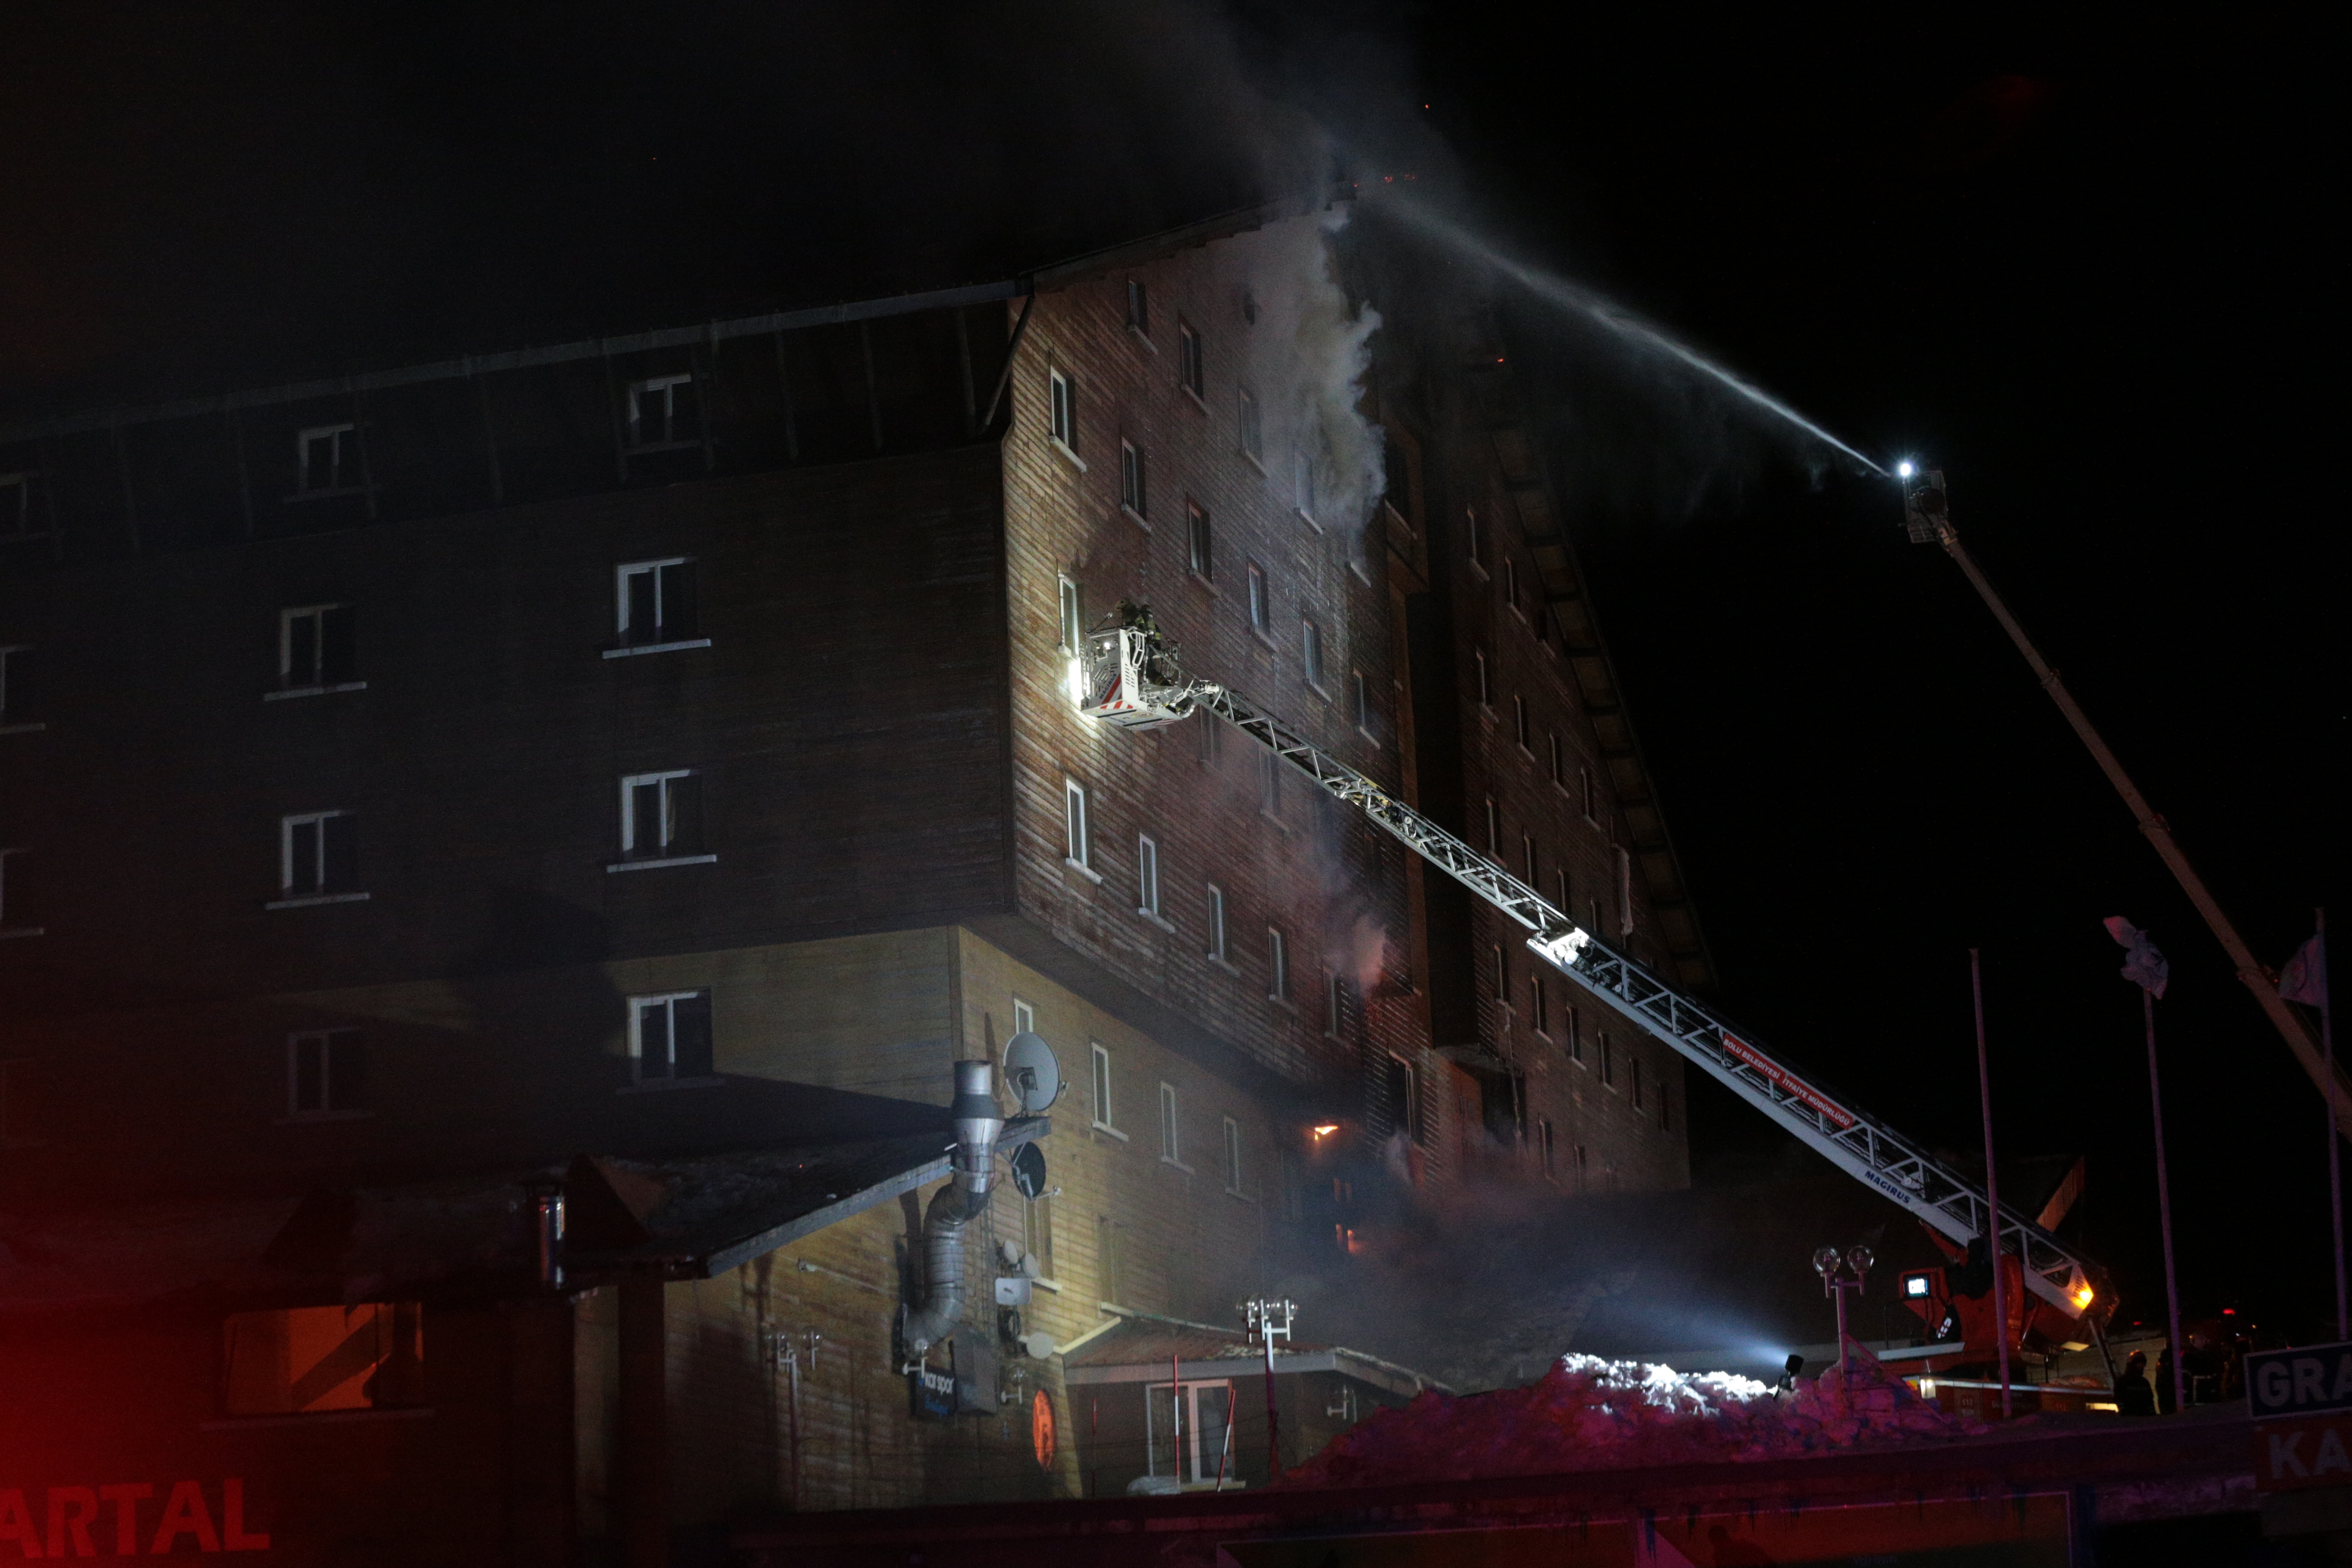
1141, 1347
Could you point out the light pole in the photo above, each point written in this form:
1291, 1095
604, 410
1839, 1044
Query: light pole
1839, 1275
1268, 1320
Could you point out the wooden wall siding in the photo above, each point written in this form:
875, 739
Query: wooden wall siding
847, 719
1526, 659
1322, 876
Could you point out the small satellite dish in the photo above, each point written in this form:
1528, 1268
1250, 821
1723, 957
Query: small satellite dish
1029, 1170
1032, 1073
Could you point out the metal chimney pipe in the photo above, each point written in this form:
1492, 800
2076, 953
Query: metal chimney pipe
977, 1127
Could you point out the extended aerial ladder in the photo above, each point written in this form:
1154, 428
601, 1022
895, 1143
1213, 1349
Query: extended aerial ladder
1131, 679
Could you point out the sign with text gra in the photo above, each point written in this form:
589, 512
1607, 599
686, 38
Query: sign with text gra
2312, 1381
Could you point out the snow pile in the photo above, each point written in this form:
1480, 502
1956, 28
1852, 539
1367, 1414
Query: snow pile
1588, 1414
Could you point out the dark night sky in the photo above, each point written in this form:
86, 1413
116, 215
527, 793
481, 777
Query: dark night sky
2078, 263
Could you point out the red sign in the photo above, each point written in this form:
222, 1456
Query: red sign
2315, 1451
1781, 1079
83, 1521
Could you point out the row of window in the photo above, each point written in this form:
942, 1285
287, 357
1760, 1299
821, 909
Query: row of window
1566, 1030
1171, 1133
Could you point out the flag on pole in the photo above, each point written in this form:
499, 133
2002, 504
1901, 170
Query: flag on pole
2304, 978
2143, 965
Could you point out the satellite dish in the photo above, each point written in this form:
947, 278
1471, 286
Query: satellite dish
1029, 1170
1032, 1073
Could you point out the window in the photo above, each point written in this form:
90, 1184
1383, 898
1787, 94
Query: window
1187, 1431
1261, 611
1147, 876
1102, 1086
661, 818
18, 519
1190, 361
1270, 767
1396, 1099
1278, 965
1584, 794
1528, 859
654, 602
1111, 1258
1212, 743
1502, 971
1592, 906
1138, 308
326, 1074
1310, 638
669, 1036
1335, 1002
1511, 583
1024, 1017
1625, 893
1608, 1062
1581, 1160
1074, 626
298, 1360
1363, 693
1302, 480
1634, 1078
315, 648
6, 930
1665, 1108
1539, 1005
1572, 1036
1197, 541
318, 856
1520, 724
1037, 1231
1494, 831
661, 413
1169, 1150
1252, 429
1062, 409
1077, 844
1216, 922
1478, 544
326, 461
1233, 1155
1559, 764
1544, 1146
16, 695
1131, 478
1560, 880
1478, 670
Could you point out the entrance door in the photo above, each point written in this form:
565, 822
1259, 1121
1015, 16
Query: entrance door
1192, 1448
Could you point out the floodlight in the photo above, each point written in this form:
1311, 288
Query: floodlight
1905, 469
1915, 1286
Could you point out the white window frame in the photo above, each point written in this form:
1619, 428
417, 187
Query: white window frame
1277, 964
1494, 831
287, 897
1311, 652
1363, 690
1527, 859
1217, 926
633, 855
667, 1001
1269, 801
1138, 309
1538, 1005
1134, 497
1099, 1057
1572, 1034
1147, 879
314, 679
1077, 833
1200, 544
621, 628
342, 457
1191, 361
1073, 613
1260, 600
1024, 1017
641, 393
1232, 1156
1171, 1129
327, 1110
5, 928
1302, 484
1519, 722
1062, 409
1252, 421
1559, 763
